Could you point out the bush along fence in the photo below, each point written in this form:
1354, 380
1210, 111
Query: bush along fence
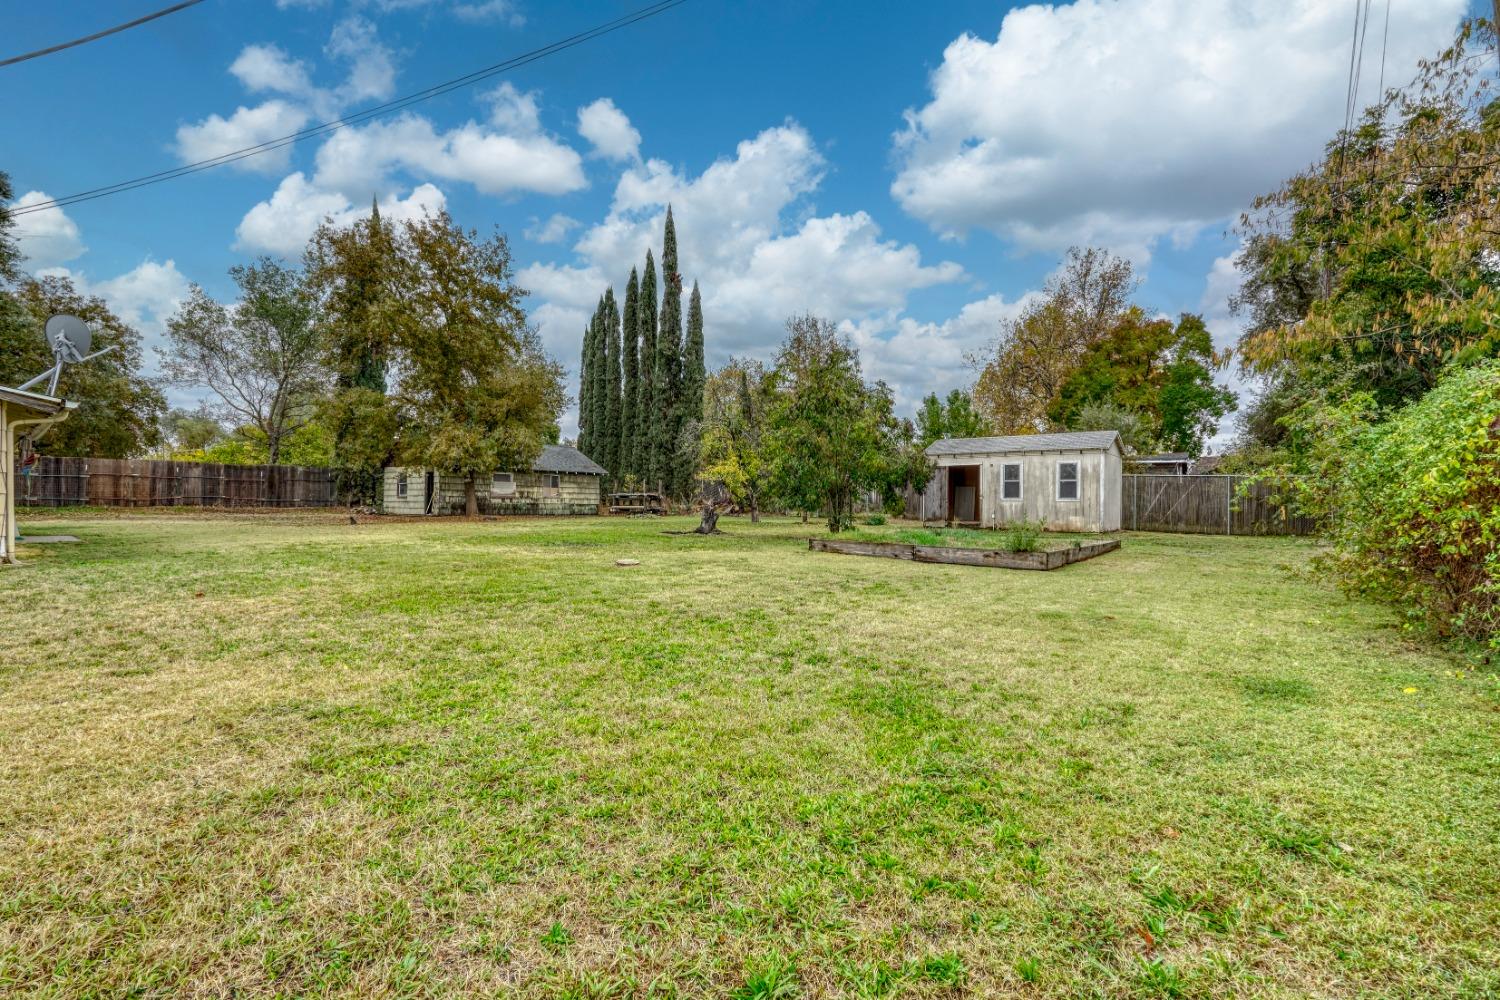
129, 482
1210, 505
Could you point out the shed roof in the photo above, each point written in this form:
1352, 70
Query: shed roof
563, 458
1066, 441
1165, 458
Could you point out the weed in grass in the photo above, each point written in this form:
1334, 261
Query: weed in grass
1283, 689
1021, 536
1029, 969
557, 937
1159, 978
775, 978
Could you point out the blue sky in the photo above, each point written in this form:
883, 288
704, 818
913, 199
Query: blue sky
911, 171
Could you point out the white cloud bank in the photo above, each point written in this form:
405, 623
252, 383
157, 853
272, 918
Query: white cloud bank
1119, 122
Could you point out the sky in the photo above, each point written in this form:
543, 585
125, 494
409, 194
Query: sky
912, 172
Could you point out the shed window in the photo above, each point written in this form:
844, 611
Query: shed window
502, 483
552, 481
400, 484
1010, 481
1067, 480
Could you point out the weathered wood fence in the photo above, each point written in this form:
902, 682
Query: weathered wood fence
131, 482
1214, 505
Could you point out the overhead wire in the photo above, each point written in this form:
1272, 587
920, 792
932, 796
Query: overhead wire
325, 128
99, 34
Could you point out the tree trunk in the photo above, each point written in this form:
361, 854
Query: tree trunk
710, 523
471, 497
754, 508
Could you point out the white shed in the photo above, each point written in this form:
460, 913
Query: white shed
563, 480
1068, 482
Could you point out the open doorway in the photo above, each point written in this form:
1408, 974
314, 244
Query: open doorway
963, 494
429, 492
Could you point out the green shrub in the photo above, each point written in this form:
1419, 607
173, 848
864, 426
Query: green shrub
875, 519
1021, 536
1414, 516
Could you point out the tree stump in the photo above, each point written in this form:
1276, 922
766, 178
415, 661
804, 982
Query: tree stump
710, 523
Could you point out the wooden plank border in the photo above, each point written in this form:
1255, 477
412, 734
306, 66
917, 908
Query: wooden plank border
959, 556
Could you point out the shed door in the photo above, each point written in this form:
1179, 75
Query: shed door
963, 503
429, 492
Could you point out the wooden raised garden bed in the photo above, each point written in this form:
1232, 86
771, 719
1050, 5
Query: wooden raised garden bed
1051, 559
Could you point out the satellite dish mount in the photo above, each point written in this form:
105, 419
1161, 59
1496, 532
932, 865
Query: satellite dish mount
70, 339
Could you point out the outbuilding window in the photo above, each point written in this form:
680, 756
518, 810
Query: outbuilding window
551, 483
1010, 481
502, 484
1067, 480
401, 484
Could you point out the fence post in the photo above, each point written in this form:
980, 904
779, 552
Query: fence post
1228, 504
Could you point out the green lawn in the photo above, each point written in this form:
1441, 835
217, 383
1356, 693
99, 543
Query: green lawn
282, 756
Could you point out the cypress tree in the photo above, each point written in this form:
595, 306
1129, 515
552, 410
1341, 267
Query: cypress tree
597, 386
645, 406
630, 388
586, 393
694, 375
610, 452
667, 386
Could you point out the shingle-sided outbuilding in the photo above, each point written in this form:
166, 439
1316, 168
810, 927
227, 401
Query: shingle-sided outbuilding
563, 480
1069, 482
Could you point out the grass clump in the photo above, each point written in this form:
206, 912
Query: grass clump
1021, 536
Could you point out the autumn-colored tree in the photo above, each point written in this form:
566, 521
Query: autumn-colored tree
262, 357
1378, 267
1152, 368
119, 409
1036, 352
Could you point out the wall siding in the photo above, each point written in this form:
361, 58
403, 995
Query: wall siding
576, 494
1096, 509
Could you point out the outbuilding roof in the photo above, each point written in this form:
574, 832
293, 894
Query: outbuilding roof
1165, 458
562, 458
1010, 443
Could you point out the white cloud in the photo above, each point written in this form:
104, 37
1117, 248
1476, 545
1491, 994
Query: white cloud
490, 10
1119, 122
46, 238
746, 232
372, 68
609, 131
269, 68
216, 136
513, 111
554, 230
356, 161
283, 224
144, 297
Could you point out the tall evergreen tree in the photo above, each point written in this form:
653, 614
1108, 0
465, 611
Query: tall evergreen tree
630, 372
586, 392
645, 406
693, 378
667, 387
610, 452
598, 385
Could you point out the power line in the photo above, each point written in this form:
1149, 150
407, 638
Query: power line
100, 34
437, 90
1384, 39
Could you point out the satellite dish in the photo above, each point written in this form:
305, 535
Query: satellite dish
69, 337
